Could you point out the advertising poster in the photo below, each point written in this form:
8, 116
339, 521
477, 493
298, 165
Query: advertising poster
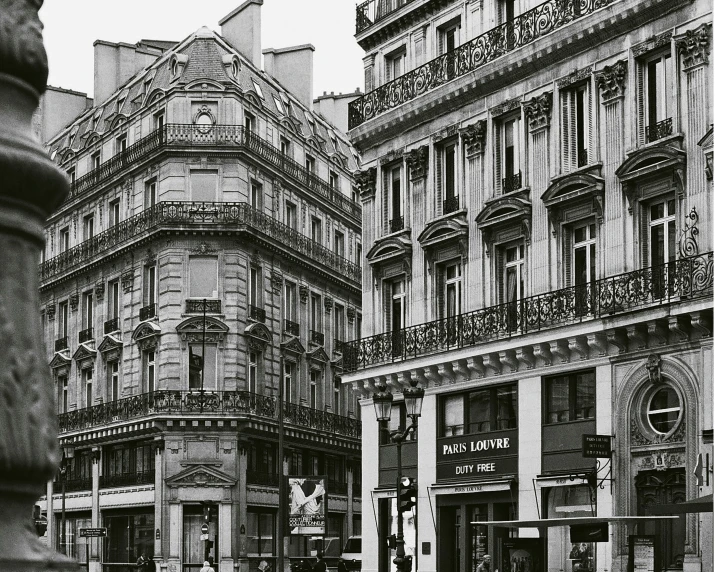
642, 554
307, 505
522, 555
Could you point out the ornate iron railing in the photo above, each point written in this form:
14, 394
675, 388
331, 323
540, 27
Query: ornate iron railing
208, 402
659, 130
147, 312
397, 224
180, 214
450, 204
292, 328
261, 478
199, 305
318, 338
372, 11
687, 278
86, 335
337, 487
111, 325
512, 183
464, 59
256, 313
234, 136
72, 485
127, 479
61, 344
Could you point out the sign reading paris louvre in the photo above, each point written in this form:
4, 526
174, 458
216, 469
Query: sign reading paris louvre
308, 505
478, 456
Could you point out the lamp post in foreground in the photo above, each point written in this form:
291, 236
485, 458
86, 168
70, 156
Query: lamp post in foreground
382, 401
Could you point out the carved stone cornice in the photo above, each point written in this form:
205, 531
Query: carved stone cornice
653, 44
505, 107
575, 77
366, 181
474, 137
538, 111
418, 161
611, 80
694, 45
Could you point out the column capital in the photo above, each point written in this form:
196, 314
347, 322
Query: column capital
474, 137
611, 80
538, 111
694, 45
418, 162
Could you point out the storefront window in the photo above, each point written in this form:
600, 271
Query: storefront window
72, 544
569, 502
129, 535
261, 525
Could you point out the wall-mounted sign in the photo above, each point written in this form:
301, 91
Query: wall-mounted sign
92, 532
642, 554
596, 446
478, 456
308, 499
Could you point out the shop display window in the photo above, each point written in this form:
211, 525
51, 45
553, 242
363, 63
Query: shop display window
562, 554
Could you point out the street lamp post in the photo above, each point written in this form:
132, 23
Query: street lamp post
67, 455
382, 401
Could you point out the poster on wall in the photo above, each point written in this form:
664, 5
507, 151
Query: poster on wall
307, 502
522, 555
642, 554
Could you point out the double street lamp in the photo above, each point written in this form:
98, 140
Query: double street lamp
382, 401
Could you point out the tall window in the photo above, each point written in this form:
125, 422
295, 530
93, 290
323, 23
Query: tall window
507, 150
314, 385
575, 127
392, 199
316, 229
447, 38
95, 160
290, 307
113, 380
121, 144
450, 290
511, 286
339, 244
447, 178
309, 163
480, 411
87, 310
63, 319
62, 385
285, 147
655, 79
149, 285
252, 372
260, 531
202, 361
149, 370
65, 239
204, 185
87, 385
72, 176
661, 242
249, 122
316, 313
290, 215
150, 194
584, 254
334, 180
395, 312
114, 212
339, 324
289, 371
113, 299
255, 288
88, 227
395, 64
570, 397
159, 119
256, 198
203, 277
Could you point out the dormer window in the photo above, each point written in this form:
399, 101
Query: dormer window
311, 123
279, 105
258, 89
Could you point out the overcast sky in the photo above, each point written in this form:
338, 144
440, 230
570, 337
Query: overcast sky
72, 26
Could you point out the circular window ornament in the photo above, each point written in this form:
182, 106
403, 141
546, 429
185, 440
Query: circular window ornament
204, 123
664, 409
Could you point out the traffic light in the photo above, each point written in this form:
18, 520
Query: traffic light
408, 494
40, 521
207, 514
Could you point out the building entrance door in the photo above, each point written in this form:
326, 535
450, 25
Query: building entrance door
199, 546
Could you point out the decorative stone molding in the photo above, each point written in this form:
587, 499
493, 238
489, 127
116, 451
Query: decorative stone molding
660, 461
74, 301
449, 131
197, 329
418, 162
474, 137
276, 281
99, 290
694, 45
611, 80
390, 157
505, 107
538, 111
328, 304
652, 44
574, 77
50, 310
366, 182
351, 314
203, 249
653, 364
127, 281
303, 292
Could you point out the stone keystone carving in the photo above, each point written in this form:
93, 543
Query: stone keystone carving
474, 136
538, 111
417, 161
612, 80
695, 46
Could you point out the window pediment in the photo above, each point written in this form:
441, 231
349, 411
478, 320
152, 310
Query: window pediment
445, 231
116, 120
155, 95
146, 335
293, 346
573, 189
110, 344
319, 355
338, 159
60, 360
258, 336
205, 84
84, 356
316, 141
253, 98
201, 476
389, 250
90, 138
504, 211
192, 330
291, 124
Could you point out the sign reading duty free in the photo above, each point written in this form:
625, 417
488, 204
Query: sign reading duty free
477, 456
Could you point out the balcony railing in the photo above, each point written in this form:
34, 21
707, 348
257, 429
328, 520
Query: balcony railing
450, 204
111, 326
175, 135
61, 344
256, 313
397, 224
687, 278
261, 478
169, 402
372, 11
511, 183
127, 479
72, 485
86, 335
292, 328
172, 214
659, 130
464, 59
337, 487
201, 305
147, 312
317, 338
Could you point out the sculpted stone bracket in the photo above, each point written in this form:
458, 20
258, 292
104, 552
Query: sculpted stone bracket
474, 137
538, 111
611, 80
694, 46
418, 163
366, 182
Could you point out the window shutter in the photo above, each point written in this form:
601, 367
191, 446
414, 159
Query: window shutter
644, 235
497, 158
441, 310
388, 69
573, 145
387, 305
440, 42
499, 263
438, 181
640, 103
566, 256
385, 200
565, 132
589, 125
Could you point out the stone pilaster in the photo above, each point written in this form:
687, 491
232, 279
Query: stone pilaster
242, 505
351, 500
159, 505
611, 82
417, 161
31, 188
94, 564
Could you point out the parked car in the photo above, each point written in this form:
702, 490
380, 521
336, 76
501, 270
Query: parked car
351, 557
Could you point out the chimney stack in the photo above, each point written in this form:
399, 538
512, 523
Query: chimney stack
293, 67
242, 29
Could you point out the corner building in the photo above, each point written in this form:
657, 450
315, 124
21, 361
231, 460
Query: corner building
536, 189
207, 254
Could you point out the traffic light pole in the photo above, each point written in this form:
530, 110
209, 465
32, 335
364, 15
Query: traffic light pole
398, 437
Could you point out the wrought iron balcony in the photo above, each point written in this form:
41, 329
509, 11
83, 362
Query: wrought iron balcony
111, 326
291, 328
262, 478
201, 305
236, 137
127, 479
372, 11
450, 204
72, 484
86, 335
317, 338
337, 487
659, 130
684, 279
168, 215
521, 31
147, 312
61, 344
511, 183
397, 224
227, 403
256, 313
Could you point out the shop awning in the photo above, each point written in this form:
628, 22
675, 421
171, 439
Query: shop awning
492, 486
701, 504
551, 522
